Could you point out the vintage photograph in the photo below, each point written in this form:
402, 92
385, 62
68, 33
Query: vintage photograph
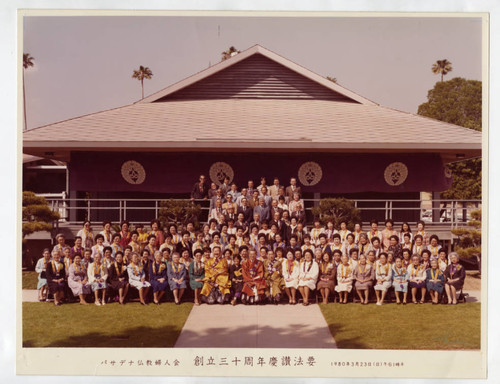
296, 183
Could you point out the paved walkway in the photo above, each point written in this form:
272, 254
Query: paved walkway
255, 326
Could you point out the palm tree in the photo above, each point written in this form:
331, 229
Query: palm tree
27, 62
442, 67
229, 53
141, 74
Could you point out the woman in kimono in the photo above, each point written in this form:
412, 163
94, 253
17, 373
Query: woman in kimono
454, 278
118, 277
274, 278
400, 280
344, 279
137, 277
196, 275
86, 234
41, 269
56, 277
290, 270
308, 275
77, 279
158, 277
254, 283
363, 274
216, 282
435, 281
236, 278
417, 279
177, 276
98, 275
326, 277
383, 277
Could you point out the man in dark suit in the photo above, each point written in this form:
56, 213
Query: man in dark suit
292, 188
280, 224
246, 210
230, 215
217, 196
262, 210
275, 208
200, 189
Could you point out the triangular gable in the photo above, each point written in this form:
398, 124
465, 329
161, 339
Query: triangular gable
256, 73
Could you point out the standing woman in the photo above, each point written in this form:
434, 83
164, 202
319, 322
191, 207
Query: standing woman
454, 278
77, 279
405, 229
158, 277
137, 277
443, 260
86, 234
383, 276
435, 281
400, 280
98, 275
363, 274
125, 235
344, 279
326, 277
290, 268
274, 278
56, 276
157, 232
177, 277
417, 279
308, 274
118, 277
196, 275
106, 233
41, 269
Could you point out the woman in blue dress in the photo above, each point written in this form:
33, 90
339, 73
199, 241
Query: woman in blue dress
435, 281
158, 277
400, 280
196, 275
177, 277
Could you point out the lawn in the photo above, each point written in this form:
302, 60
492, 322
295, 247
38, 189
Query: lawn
30, 279
112, 326
391, 326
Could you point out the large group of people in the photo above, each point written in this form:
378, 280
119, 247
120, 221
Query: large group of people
254, 249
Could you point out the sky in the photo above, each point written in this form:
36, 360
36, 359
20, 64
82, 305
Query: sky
84, 64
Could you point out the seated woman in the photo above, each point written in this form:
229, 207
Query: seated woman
454, 278
158, 277
308, 275
400, 280
383, 278
98, 275
326, 277
236, 278
274, 278
196, 275
417, 279
216, 283
118, 277
435, 281
137, 277
363, 274
77, 279
344, 279
254, 283
41, 269
177, 275
56, 277
290, 270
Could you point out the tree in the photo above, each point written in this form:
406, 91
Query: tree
441, 67
178, 212
37, 215
469, 243
141, 74
337, 210
458, 101
232, 51
27, 63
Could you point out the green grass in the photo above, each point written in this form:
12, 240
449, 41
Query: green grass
391, 326
30, 279
112, 326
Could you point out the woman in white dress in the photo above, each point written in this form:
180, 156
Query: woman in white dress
290, 268
308, 274
383, 277
344, 279
98, 274
137, 277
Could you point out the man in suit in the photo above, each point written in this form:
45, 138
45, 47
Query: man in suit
246, 210
230, 215
292, 188
254, 201
243, 195
273, 189
218, 196
267, 199
225, 186
275, 208
229, 203
200, 189
250, 189
280, 224
262, 210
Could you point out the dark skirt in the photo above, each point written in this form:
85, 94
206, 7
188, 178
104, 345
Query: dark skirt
195, 284
330, 284
417, 285
438, 287
57, 287
117, 284
458, 285
157, 286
